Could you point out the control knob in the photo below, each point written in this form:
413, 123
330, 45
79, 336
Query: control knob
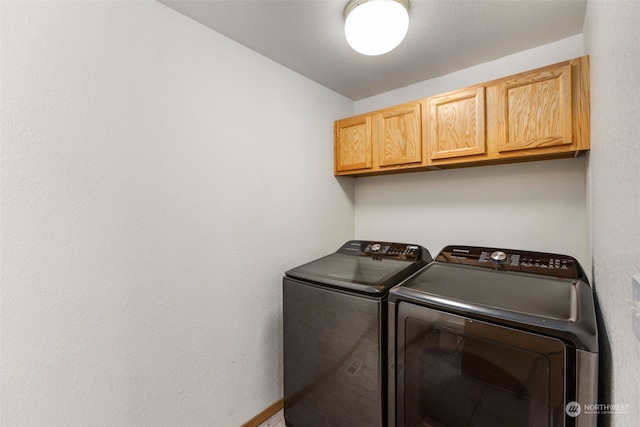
376, 247
499, 257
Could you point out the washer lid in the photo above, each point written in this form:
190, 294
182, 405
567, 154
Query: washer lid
500, 291
557, 306
364, 266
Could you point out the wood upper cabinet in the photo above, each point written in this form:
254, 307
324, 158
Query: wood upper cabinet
353, 147
380, 141
456, 124
544, 112
399, 135
535, 115
536, 110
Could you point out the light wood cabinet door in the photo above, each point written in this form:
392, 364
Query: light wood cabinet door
353, 144
456, 123
398, 135
535, 110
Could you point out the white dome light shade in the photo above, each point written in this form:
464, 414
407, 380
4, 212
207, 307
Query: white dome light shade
374, 27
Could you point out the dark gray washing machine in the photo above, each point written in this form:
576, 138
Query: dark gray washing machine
491, 337
335, 331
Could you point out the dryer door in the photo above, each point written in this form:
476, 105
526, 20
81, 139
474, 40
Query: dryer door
455, 371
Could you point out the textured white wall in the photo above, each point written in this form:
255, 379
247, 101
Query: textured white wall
536, 206
520, 206
157, 180
561, 50
613, 42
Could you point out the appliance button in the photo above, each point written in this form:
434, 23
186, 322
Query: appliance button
499, 257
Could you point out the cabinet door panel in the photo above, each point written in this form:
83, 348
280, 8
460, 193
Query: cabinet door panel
457, 124
353, 148
399, 135
536, 110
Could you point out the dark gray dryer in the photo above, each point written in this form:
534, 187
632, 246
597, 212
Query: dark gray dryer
335, 330
492, 337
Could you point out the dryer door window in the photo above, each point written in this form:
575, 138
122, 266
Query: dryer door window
455, 371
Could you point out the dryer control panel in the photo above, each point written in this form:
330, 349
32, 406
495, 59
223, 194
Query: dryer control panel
403, 251
513, 260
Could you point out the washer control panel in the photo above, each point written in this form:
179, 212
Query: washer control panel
513, 260
403, 251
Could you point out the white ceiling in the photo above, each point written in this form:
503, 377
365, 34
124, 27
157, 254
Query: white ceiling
444, 36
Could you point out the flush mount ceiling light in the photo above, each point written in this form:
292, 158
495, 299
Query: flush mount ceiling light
374, 27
